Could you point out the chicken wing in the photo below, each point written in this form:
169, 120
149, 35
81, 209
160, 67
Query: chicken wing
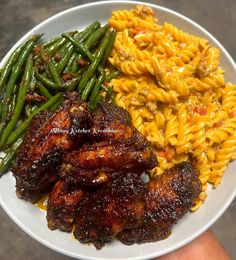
109, 209
48, 137
95, 163
62, 205
113, 124
168, 198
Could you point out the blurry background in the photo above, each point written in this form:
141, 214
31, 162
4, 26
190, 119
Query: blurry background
19, 16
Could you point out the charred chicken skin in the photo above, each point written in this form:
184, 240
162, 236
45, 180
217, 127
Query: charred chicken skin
96, 176
114, 145
95, 163
62, 205
168, 198
106, 211
48, 138
113, 124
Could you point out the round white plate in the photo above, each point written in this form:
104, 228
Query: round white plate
33, 221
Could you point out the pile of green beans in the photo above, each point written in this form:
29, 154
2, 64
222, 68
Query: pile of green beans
72, 61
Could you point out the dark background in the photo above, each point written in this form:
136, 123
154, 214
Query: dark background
19, 16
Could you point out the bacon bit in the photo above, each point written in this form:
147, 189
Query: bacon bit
66, 76
200, 110
233, 114
82, 62
138, 30
35, 98
106, 84
58, 57
219, 123
37, 49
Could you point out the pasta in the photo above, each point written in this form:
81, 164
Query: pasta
175, 91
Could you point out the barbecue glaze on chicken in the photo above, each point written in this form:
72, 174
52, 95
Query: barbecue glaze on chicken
168, 198
94, 176
62, 205
48, 138
106, 211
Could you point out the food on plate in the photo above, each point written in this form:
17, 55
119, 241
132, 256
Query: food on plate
114, 145
93, 163
48, 138
136, 212
106, 211
94, 181
62, 205
168, 198
122, 125
174, 88
38, 73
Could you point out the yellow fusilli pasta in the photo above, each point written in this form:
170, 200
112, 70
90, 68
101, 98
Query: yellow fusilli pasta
175, 91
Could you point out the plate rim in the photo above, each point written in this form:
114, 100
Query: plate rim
176, 245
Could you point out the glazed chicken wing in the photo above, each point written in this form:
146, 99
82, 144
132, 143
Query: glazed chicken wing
114, 145
95, 163
62, 205
48, 137
168, 198
109, 209
113, 124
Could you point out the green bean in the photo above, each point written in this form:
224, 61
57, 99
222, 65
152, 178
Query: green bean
51, 50
22, 127
70, 85
109, 47
51, 67
10, 155
55, 106
98, 99
55, 47
47, 82
14, 76
112, 75
43, 91
62, 63
69, 64
93, 66
12, 106
53, 72
56, 43
110, 95
69, 48
12, 103
79, 46
10, 63
87, 32
82, 36
51, 42
95, 36
88, 88
75, 65
63, 50
33, 83
24, 86
96, 90
29, 109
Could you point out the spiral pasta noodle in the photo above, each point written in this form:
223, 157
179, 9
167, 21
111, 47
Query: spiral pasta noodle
174, 89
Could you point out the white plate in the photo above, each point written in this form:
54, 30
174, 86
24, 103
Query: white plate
33, 221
